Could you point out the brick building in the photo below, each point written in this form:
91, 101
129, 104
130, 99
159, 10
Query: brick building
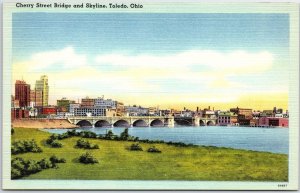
22, 93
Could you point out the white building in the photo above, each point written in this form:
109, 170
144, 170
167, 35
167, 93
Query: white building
73, 106
105, 103
33, 112
136, 110
94, 111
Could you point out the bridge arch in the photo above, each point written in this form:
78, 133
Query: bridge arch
202, 123
183, 122
210, 123
84, 123
121, 123
156, 123
102, 123
140, 123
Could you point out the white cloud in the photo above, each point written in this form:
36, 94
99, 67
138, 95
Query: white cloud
233, 62
65, 58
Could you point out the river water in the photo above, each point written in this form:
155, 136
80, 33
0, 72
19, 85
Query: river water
274, 140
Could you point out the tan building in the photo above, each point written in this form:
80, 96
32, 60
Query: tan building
43, 87
247, 113
36, 98
244, 115
120, 109
111, 112
87, 102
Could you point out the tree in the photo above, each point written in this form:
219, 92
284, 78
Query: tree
109, 135
124, 135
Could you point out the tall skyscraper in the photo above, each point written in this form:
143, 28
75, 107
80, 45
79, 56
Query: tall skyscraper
42, 85
22, 93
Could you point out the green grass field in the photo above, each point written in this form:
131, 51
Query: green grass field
174, 163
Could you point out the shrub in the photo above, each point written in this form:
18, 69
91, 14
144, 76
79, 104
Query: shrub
63, 136
24, 146
55, 159
87, 158
135, 147
18, 163
56, 144
88, 134
53, 140
12, 131
31, 167
53, 137
21, 167
15, 174
82, 143
153, 150
72, 132
45, 164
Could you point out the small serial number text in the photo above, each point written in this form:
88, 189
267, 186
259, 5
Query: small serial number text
282, 185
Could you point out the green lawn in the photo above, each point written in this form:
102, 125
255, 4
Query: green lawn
174, 163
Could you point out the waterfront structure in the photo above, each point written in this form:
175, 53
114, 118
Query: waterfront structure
227, 118
136, 110
105, 103
73, 106
49, 110
22, 93
43, 87
273, 122
36, 98
90, 111
244, 115
87, 102
19, 113
267, 113
63, 105
120, 108
153, 111
207, 113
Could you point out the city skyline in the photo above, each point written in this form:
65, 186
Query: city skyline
79, 101
166, 60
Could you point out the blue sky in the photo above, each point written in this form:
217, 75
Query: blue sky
119, 44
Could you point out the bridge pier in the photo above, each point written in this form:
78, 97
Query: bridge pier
196, 121
169, 122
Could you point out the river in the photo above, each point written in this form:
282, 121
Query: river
274, 140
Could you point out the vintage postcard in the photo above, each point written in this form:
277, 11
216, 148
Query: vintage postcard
149, 95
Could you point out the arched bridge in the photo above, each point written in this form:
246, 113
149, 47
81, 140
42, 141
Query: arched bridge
195, 121
136, 121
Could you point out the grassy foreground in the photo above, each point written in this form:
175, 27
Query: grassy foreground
174, 163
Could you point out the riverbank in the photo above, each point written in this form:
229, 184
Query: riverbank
43, 123
116, 162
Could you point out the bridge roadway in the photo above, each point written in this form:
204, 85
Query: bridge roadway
122, 121
140, 121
